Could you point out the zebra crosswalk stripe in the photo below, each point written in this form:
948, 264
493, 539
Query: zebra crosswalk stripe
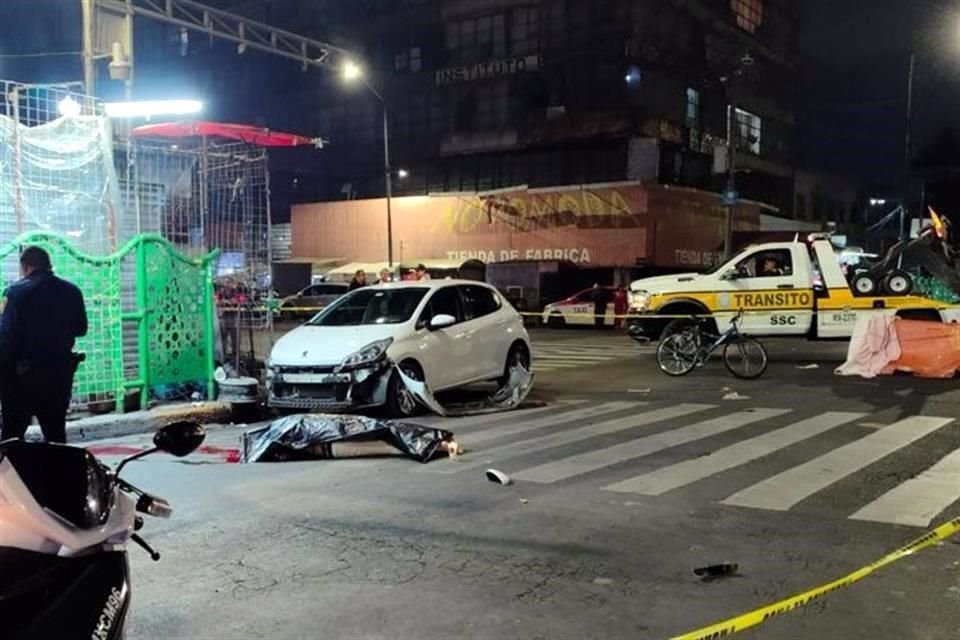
587, 413
569, 436
784, 490
594, 460
683, 473
457, 424
919, 500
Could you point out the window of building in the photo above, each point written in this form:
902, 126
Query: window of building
693, 108
749, 14
525, 31
492, 104
746, 133
408, 60
475, 39
801, 207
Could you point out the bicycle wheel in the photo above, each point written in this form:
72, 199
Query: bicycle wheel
677, 354
745, 358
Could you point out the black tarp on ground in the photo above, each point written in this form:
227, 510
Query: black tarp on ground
310, 437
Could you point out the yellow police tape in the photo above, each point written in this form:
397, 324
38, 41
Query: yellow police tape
758, 616
565, 315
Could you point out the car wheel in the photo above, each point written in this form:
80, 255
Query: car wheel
677, 325
556, 321
518, 355
401, 403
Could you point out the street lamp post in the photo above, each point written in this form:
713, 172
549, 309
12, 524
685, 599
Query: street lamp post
352, 72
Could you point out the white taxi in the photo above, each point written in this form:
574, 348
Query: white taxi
449, 333
577, 310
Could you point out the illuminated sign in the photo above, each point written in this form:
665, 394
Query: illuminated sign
490, 69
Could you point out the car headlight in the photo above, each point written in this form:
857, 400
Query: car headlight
367, 355
640, 300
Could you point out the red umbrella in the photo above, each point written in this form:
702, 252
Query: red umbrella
250, 134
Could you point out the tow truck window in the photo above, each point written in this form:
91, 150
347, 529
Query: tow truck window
774, 263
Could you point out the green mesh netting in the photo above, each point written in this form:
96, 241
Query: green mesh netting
150, 314
177, 348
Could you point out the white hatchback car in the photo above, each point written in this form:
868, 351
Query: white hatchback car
450, 333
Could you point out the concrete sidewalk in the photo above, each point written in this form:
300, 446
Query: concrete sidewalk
115, 425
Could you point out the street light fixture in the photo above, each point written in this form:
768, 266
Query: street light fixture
68, 107
353, 72
402, 173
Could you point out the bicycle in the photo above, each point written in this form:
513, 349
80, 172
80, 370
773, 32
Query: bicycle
680, 353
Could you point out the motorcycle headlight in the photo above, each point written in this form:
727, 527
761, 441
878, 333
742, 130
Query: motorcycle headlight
99, 499
640, 301
367, 355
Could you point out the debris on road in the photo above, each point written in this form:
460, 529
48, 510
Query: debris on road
498, 477
331, 436
509, 396
733, 395
638, 390
717, 570
812, 365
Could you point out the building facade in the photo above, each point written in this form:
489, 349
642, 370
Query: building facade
490, 94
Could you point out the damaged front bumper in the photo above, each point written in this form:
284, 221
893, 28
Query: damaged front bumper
327, 388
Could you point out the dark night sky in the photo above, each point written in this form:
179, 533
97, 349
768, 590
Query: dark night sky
862, 46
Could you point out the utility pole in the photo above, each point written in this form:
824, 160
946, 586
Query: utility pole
731, 190
389, 180
906, 146
89, 77
730, 195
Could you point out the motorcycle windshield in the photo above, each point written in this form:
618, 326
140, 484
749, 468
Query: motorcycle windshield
66, 480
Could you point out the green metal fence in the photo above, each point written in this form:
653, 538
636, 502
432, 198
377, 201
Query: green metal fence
147, 297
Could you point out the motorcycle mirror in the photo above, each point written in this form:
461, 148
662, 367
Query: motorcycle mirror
179, 438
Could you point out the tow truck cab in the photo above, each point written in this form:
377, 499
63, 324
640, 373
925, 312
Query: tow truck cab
785, 288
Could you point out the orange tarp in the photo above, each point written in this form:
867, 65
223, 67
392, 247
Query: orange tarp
928, 349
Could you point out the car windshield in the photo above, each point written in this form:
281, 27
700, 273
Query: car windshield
371, 306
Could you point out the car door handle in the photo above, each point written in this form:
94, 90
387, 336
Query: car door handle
784, 286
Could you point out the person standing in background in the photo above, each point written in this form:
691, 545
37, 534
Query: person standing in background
619, 306
385, 276
599, 305
43, 316
359, 280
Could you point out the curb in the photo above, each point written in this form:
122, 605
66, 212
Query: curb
124, 424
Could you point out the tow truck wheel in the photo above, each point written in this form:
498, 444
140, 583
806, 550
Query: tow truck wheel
898, 283
864, 284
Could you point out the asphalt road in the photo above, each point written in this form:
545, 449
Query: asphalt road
624, 483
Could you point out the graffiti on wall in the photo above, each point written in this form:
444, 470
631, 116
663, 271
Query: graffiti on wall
587, 209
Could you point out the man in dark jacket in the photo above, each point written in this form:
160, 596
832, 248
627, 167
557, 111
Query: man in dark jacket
599, 296
42, 317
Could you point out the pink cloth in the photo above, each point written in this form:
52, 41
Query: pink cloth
873, 346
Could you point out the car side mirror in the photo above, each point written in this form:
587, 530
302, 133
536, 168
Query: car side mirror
730, 274
441, 321
179, 438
